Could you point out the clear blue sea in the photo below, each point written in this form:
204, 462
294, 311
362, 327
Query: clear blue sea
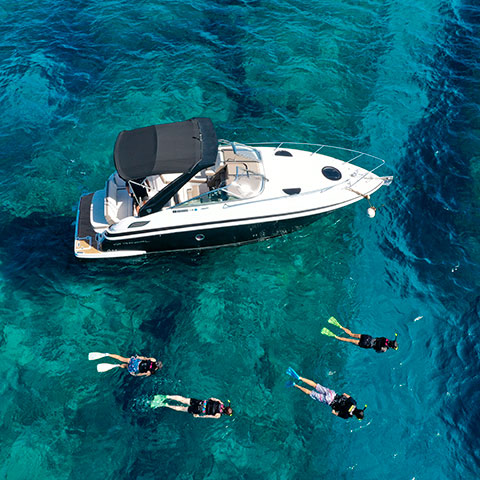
397, 79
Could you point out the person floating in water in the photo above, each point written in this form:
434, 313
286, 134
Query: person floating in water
343, 406
211, 408
135, 365
380, 344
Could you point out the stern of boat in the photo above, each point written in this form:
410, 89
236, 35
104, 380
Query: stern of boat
86, 239
90, 225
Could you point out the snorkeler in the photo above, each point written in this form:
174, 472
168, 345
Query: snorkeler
135, 365
343, 406
380, 344
211, 408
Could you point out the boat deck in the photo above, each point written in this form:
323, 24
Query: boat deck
233, 160
85, 241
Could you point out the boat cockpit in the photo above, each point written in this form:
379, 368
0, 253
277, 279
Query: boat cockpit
238, 174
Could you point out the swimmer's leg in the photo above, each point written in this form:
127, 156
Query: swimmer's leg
303, 389
118, 357
334, 321
178, 408
179, 398
355, 340
308, 382
349, 332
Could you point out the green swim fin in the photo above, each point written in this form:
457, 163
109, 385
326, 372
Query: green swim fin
327, 332
158, 401
334, 321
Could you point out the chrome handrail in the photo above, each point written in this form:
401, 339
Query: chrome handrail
358, 154
320, 147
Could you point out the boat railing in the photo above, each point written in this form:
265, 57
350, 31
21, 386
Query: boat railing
317, 148
235, 147
349, 156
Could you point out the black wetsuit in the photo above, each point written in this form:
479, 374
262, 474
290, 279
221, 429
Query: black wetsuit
204, 407
378, 344
343, 406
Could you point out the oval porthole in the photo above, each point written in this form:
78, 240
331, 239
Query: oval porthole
199, 237
332, 173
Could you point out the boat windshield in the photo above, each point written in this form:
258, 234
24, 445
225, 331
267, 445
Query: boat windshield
245, 184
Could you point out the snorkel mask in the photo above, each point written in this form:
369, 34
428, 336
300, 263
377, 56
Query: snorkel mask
364, 408
393, 343
352, 409
228, 406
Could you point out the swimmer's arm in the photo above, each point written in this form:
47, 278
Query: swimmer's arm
146, 374
215, 399
345, 395
196, 415
335, 412
147, 358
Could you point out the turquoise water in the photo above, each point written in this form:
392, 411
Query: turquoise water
396, 79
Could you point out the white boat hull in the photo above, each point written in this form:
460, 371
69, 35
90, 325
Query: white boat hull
295, 194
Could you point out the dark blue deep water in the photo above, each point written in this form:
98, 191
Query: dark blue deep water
398, 79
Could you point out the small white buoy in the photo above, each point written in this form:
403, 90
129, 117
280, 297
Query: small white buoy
371, 212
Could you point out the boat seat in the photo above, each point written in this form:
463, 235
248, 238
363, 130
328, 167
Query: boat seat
196, 189
249, 166
155, 184
97, 211
118, 203
219, 179
200, 177
181, 196
193, 191
169, 177
203, 188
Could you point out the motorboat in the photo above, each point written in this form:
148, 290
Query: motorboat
177, 188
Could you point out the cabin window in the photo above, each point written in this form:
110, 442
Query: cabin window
332, 173
283, 153
292, 191
137, 224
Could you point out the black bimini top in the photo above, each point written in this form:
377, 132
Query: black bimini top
170, 148
181, 147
